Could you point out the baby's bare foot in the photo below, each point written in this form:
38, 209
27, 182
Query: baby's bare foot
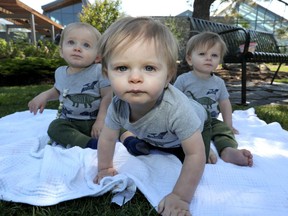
241, 157
212, 159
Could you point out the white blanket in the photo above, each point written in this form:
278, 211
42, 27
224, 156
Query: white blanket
39, 174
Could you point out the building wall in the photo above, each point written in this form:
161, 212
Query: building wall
255, 17
65, 15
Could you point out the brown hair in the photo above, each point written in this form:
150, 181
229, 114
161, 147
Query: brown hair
79, 25
126, 31
207, 40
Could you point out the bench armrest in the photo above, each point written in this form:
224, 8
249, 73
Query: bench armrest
247, 37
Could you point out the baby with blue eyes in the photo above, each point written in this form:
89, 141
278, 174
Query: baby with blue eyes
83, 92
78, 46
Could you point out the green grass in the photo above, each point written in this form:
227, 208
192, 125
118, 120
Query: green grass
86, 206
281, 80
270, 113
273, 67
14, 99
283, 68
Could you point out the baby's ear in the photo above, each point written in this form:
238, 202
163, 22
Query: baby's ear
171, 77
188, 60
98, 59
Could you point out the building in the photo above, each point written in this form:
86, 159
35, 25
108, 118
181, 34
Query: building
17, 16
64, 11
21, 16
186, 13
252, 15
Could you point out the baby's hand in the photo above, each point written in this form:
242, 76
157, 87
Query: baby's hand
36, 104
96, 129
103, 173
172, 205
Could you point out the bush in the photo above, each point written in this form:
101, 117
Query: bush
22, 63
4, 50
31, 70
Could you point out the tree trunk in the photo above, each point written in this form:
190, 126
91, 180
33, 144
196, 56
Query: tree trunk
201, 9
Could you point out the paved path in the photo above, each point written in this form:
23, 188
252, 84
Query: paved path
260, 93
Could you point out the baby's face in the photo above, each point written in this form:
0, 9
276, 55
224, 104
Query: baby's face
138, 74
205, 60
79, 48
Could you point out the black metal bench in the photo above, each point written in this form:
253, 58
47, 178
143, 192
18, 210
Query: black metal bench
267, 49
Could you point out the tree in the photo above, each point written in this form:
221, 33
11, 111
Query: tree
201, 9
101, 14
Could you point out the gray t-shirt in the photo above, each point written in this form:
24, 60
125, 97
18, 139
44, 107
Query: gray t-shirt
207, 92
83, 91
173, 119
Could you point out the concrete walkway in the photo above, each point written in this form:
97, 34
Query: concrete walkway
261, 93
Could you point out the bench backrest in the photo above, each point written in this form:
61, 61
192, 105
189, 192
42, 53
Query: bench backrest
235, 36
266, 42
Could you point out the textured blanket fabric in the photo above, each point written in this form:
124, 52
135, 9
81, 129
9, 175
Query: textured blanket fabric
38, 174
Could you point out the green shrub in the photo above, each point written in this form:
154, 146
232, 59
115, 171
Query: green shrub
22, 63
20, 49
29, 66
4, 49
30, 70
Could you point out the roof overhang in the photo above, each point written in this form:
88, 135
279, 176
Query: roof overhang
22, 16
59, 4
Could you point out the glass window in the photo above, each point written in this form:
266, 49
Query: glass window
66, 15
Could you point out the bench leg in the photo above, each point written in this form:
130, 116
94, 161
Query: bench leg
243, 82
275, 74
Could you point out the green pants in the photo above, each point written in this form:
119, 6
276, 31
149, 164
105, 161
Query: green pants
222, 135
71, 132
206, 135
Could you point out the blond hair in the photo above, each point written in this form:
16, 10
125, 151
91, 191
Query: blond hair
126, 31
79, 25
208, 40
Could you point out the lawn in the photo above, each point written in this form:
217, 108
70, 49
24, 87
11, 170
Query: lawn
283, 68
273, 67
13, 99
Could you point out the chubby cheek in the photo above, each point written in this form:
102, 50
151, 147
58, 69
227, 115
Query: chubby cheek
118, 86
156, 88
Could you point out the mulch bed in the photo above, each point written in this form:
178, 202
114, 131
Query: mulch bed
256, 74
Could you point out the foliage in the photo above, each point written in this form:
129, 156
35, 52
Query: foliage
20, 36
179, 30
22, 49
101, 14
23, 63
30, 70
26, 66
281, 31
4, 50
174, 28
